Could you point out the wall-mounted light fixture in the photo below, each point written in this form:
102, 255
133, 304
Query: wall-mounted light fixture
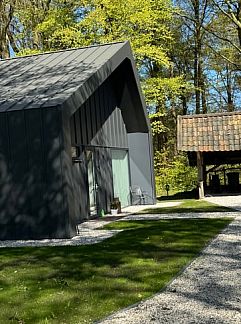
75, 153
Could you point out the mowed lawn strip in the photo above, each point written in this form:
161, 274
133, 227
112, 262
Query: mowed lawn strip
188, 206
82, 284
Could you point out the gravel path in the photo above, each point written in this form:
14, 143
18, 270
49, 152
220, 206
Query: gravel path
233, 201
180, 215
208, 291
89, 232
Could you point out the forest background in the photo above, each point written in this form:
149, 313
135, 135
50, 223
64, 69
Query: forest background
187, 53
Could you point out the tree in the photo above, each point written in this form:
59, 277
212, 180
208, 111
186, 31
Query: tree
6, 15
195, 15
232, 11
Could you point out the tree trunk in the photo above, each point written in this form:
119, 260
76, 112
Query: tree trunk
6, 14
197, 55
4, 51
229, 91
184, 104
238, 16
196, 83
203, 90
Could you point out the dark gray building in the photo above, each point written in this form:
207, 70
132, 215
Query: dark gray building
73, 134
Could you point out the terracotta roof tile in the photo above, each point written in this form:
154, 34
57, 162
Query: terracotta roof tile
211, 132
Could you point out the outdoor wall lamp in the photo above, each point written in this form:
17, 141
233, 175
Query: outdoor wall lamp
75, 153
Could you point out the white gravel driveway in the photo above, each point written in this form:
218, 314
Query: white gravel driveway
233, 201
208, 291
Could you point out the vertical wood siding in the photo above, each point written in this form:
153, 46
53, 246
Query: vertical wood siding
99, 121
31, 182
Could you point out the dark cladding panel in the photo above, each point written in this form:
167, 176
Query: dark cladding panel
80, 192
83, 126
114, 123
6, 221
121, 136
105, 122
18, 144
74, 174
92, 108
31, 176
57, 220
99, 121
88, 122
4, 147
68, 178
78, 135
111, 129
18, 200
118, 127
111, 117
98, 117
73, 130
104, 178
123, 131
36, 177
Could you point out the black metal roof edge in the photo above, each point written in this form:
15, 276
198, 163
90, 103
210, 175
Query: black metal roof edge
64, 50
138, 83
118, 57
210, 114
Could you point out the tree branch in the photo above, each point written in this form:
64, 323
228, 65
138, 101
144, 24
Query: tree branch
224, 39
237, 65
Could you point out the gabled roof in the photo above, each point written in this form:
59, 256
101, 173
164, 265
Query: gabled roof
210, 132
64, 78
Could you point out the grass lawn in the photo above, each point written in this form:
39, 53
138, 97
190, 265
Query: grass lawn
85, 283
188, 206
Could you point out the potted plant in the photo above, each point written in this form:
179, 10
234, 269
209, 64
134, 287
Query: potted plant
114, 208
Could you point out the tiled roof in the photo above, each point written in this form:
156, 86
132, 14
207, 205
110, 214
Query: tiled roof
209, 133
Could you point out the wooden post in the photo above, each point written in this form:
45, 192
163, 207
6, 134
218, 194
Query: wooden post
200, 174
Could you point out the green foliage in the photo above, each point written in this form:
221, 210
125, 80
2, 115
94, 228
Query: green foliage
144, 23
175, 172
165, 93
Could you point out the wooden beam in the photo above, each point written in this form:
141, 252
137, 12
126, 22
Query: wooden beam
200, 167
179, 133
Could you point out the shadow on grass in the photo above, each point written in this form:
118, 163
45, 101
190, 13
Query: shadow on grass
85, 283
193, 194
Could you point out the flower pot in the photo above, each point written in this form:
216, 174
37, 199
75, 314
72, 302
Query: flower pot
114, 211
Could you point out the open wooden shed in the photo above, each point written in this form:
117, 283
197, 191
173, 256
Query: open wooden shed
211, 140
74, 134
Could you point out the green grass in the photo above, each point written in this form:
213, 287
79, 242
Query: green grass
188, 206
85, 283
